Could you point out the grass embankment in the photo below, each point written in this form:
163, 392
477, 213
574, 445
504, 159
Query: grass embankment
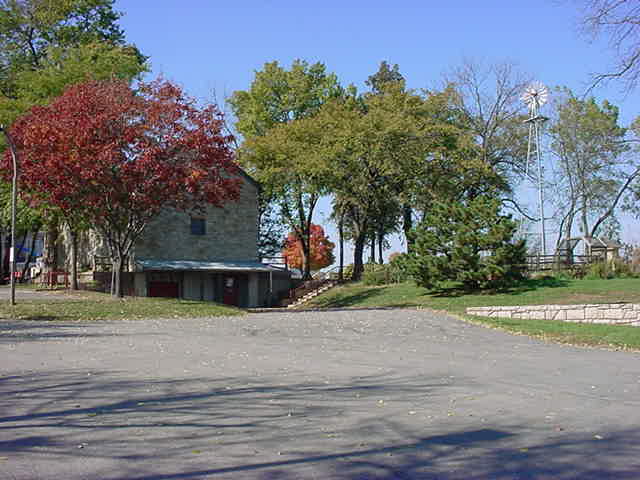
86, 306
532, 292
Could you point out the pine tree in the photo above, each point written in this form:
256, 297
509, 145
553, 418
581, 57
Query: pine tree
468, 242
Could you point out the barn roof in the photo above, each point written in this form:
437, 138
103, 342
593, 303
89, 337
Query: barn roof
198, 265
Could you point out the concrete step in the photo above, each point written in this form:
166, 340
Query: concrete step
314, 293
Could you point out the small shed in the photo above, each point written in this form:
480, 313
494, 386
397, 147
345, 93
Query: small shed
604, 248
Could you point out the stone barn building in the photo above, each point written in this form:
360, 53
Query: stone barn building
209, 256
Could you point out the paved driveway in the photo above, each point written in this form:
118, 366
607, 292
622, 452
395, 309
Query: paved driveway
367, 394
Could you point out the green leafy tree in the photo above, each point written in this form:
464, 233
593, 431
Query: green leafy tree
387, 219
388, 80
47, 45
439, 159
595, 173
385, 77
279, 96
64, 67
468, 242
379, 142
281, 146
291, 161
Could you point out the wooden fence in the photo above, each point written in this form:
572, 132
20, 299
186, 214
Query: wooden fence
539, 263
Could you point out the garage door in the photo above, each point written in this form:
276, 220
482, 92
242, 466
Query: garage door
163, 289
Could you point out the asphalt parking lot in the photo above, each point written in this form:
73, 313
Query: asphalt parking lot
353, 394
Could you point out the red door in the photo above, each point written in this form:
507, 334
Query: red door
163, 289
230, 290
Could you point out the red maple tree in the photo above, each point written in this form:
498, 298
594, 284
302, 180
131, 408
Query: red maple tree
321, 250
114, 157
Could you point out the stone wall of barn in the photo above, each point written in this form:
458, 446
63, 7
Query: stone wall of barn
230, 234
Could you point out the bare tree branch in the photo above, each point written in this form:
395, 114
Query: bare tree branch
611, 209
520, 210
619, 22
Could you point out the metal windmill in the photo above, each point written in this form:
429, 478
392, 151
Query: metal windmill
535, 96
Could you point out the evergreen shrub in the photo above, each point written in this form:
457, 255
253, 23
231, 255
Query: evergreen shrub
468, 242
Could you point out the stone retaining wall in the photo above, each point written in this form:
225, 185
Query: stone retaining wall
608, 313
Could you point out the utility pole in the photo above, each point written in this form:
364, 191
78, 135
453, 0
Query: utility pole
14, 198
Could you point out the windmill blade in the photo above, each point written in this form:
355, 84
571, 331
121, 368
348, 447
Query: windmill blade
536, 93
543, 95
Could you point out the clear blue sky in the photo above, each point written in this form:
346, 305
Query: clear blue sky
209, 46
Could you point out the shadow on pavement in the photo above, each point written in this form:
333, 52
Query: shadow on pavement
253, 427
38, 329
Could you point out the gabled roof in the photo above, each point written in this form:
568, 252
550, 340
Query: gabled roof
601, 242
249, 178
591, 242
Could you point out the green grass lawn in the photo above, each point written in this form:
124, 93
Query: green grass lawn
612, 336
86, 306
532, 292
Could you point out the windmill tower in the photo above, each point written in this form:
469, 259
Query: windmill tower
535, 96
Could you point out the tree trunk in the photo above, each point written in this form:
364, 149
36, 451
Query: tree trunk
50, 249
567, 235
407, 225
117, 276
583, 218
372, 258
74, 258
380, 248
306, 256
341, 243
358, 253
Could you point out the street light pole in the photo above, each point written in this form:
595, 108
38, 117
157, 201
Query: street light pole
14, 198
